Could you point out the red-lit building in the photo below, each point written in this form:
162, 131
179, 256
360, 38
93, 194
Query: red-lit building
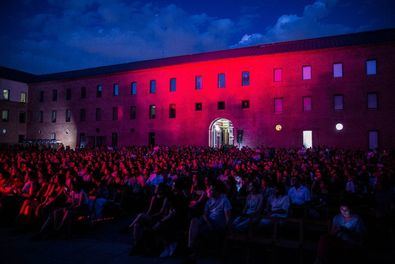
337, 91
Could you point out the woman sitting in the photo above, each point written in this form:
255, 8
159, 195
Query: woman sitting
278, 206
252, 209
346, 235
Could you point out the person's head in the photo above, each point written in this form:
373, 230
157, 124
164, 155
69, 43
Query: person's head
253, 187
214, 189
295, 181
280, 190
345, 209
161, 190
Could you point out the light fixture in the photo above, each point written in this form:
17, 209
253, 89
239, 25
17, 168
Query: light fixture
339, 126
278, 127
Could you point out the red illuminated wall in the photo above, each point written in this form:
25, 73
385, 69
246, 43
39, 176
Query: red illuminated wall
190, 127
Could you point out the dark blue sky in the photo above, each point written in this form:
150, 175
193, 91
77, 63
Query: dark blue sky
43, 36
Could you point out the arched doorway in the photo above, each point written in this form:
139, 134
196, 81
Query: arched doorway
220, 133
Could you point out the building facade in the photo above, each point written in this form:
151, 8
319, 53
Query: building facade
13, 105
336, 91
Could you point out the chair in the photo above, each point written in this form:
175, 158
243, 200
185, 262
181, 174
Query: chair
289, 235
263, 238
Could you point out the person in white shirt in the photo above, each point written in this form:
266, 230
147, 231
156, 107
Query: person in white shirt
278, 206
298, 193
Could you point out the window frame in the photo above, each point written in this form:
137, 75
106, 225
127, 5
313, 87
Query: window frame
173, 85
245, 80
221, 80
310, 72
367, 67
281, 100
152, 111
334, 102
221, 105
152, 86
334, 70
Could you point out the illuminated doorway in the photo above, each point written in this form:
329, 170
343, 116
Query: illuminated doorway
220, 133
307, 138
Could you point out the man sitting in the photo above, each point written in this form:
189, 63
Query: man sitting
215, 218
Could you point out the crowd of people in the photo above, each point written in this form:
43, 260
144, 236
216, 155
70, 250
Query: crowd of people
177, 195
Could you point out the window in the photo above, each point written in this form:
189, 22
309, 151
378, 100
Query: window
5, 115
372, 101
68, 115
306, 72
337, 70
278, 105
6, 94
115, 89
133, 88
68, 94
239, 136
151, 138
40, 116
54, 95
22, 117
152, 86
278, 74
82, 140
83, 92
245, 78
115, 113
338, 101
114, 139
371, 67
23, 97
41, 96
221, 80
245, 104
198, 82
198, 106
152, 112
99, 91
307, 104
173, 83
373, 139
82, 114
98, 114
21, 138
221, 105
133, 112
53, 116
172, 111
53, 136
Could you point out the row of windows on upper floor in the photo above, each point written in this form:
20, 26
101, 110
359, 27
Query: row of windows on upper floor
221, 81
6, 95
338, 105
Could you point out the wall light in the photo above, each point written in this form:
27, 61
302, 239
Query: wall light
339, 126
278, 127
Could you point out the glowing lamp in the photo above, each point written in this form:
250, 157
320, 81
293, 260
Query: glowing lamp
339, 126
278, 127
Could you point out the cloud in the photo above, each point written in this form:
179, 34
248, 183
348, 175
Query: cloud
87, 33
292, 26
56, 35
